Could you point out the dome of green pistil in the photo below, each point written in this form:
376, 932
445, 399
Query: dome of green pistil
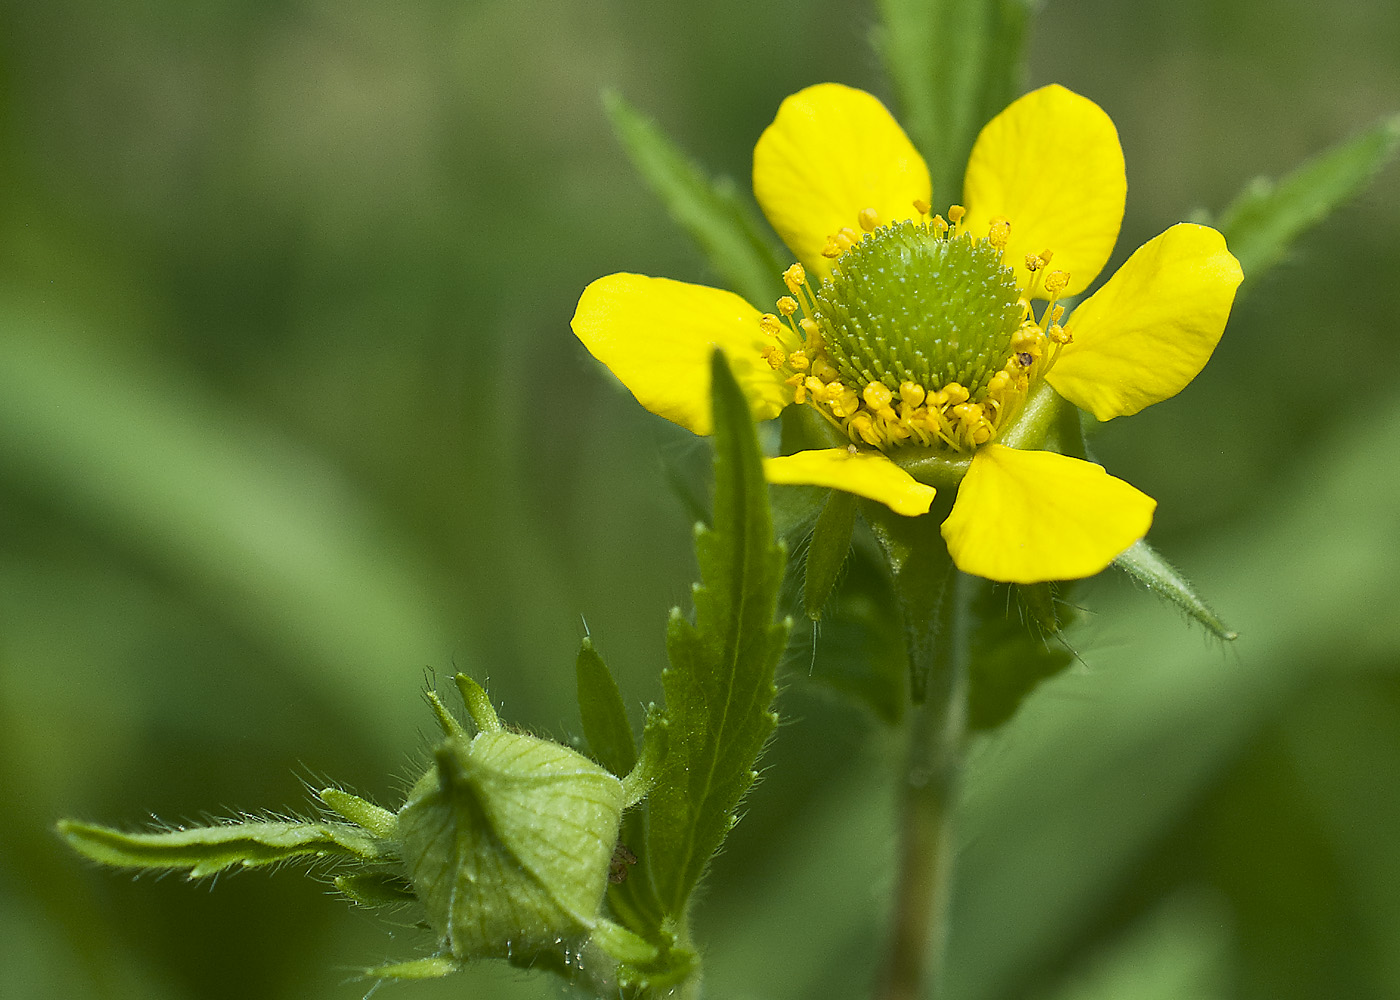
908, 305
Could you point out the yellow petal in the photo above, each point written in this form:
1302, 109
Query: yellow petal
1032, 516
1051, 164
831, 152
657, 336
867, 474
1152, 327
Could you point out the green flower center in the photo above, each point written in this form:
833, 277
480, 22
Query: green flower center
906, 304
921, 337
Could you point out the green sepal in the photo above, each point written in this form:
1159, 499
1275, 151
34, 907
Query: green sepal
921, 572
720, 683
722, 225
419, 968
827, 550
1012, 648
604, 716
376, 819
205, 850
858, 648
1144, 564
376, 889
1267, 216
479, 707
955, 64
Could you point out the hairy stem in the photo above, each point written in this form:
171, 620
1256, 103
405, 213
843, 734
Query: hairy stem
918, 933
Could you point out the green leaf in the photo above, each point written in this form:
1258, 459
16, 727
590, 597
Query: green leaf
1143, 564
205, 850
604, 716
955, 64
377, 889
721, 224
719, 686
1267, 216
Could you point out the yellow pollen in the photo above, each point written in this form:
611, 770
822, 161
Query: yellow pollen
1032, 262
877, 395
956, 214
832, 249
1058, 334
954, 393
1045, 256
1056, 281
940, 226
911, 393
770, 324
844, 402
999, 232
787, 305
794, 277
998, 383
797, 361
774, 357
869, 219
921, 206
824, 370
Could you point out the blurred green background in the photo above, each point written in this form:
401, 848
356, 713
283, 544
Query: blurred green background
292, 422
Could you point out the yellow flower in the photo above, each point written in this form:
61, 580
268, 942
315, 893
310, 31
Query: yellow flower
936, 342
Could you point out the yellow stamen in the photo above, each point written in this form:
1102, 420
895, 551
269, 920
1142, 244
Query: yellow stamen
956, 214
869, 219
797, 361
999, 232
774, 357
787, 305
877, 395
794, 277
770, 324
1056, 281
1032, 262
912, 393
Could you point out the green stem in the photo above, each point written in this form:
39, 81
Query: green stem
914, 963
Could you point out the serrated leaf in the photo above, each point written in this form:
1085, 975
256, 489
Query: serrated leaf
719, 686
1267, 216
604, 716
1143, 564
710, 210
955, 64
204, 850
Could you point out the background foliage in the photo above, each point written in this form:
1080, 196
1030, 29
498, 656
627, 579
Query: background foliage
291, 418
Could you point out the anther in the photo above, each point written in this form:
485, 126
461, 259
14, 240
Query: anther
794, 277
797, 361
1045, 256
921, 206
1033, 262
999, 232
1056, 281
955, 393
770, 324
956, 214
912, 393
877, 395
940, 225
787, 305
869, 219
773, 356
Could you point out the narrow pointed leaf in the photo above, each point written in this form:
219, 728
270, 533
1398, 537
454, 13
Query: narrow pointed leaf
1145, 565
204, 850
954, 65
719, 686
1264, 220
604, 716
722, 225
